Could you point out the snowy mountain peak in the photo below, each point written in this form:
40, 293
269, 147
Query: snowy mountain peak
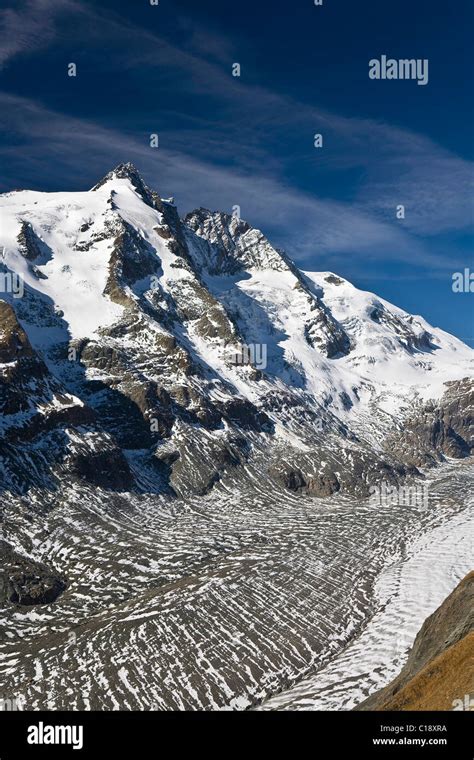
189, 338
129, 172
231, 244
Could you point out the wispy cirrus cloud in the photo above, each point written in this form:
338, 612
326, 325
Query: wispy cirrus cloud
30, 25
397, 166
307, 226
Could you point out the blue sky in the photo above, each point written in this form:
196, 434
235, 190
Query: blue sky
248, 141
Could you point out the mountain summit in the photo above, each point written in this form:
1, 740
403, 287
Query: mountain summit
129, 173
164, 328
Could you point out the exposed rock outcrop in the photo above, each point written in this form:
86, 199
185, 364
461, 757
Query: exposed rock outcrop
25, 582
437, 429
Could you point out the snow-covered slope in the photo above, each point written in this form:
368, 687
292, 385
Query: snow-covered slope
320, 333
391, 348
204, 320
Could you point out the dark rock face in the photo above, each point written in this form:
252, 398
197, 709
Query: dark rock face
23, 370
359, 473
132, 259
25, 582
323, 485
407, 337
246, 415
444, 636
13, 340
106, 469
23, 364
217, 244
319, 485
325, 334
31, 246
293, 480
27, 589
445, 428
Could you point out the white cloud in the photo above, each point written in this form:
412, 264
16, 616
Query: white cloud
309, 227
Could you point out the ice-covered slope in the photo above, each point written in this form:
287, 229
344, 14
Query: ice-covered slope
71, 275
391, 348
